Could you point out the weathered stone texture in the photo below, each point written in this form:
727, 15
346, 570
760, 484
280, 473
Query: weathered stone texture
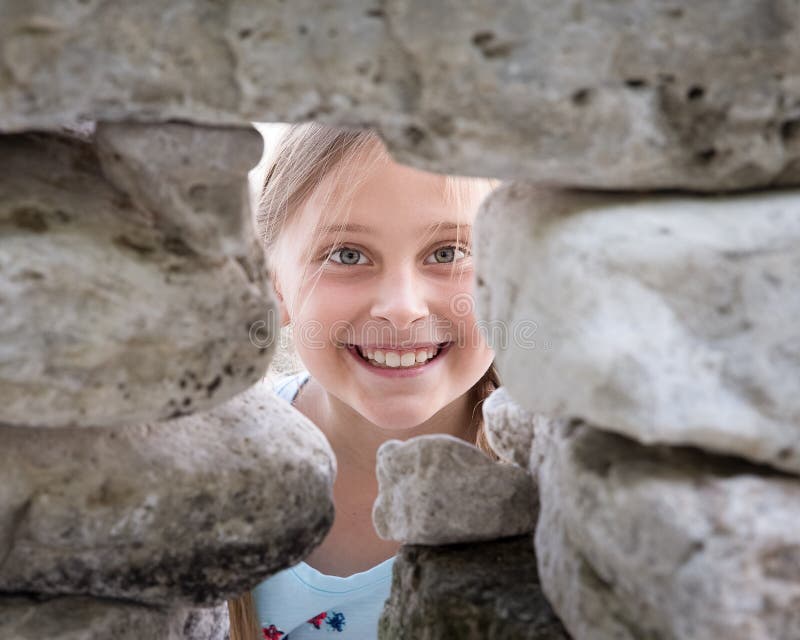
468, 592
637, 95
192, 510
130, 274
141, 473
438, 489
642, 94
670, 319
665, 543
210, 623
80, 618
200, 61
510, 428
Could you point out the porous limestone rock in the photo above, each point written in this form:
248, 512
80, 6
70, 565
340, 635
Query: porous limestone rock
509, 427
81, 618
469, 591
192, 510
602, 94
439, 489
670, 319
210, 623
665, 543
132, 284
639, 94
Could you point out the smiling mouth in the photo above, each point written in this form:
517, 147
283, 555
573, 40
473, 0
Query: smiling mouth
399, 358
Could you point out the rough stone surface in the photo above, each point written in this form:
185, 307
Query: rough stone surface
669, 319
81, 618
665, 543
130, 274
211, 623
509, 427
439, 489
640, 94
468, 592
193, 511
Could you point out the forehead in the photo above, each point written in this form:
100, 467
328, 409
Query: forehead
385, 197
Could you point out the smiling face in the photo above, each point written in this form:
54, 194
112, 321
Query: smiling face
390, 271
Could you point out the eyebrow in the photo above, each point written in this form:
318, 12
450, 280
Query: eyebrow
360, 228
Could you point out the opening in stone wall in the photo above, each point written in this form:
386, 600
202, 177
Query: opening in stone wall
371, 263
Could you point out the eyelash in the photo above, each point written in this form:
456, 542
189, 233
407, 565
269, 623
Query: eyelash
330, 252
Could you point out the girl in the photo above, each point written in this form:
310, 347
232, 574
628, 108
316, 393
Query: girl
372, 267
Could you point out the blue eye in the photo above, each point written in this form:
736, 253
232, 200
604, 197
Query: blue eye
447, 254
348, 256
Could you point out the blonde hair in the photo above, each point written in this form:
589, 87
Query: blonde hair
305, 154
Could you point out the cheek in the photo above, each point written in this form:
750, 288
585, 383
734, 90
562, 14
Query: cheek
470, 332
329, 312
456, 302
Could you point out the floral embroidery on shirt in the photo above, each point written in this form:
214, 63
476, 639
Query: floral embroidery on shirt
335, 621
273, 633
318, 619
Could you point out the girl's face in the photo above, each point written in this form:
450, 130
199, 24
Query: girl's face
386, 284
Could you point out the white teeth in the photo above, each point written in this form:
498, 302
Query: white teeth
395, 359
407, 359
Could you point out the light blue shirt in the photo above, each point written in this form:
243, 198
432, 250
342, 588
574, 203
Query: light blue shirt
300, 603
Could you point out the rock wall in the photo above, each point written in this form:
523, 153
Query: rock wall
637, 95
658, 382
650, 353
147, 473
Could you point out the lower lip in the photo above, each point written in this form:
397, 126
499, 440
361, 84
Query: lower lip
401, 372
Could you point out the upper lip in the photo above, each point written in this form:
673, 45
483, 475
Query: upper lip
400, 347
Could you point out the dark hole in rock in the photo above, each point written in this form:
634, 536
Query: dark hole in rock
482, 38
695, 93
414, 134
198, 191
30, 219
790, 130
177, 246
124, 242
212, 386
489, 45
581, 97
706, 156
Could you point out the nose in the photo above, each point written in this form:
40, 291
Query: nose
400, 298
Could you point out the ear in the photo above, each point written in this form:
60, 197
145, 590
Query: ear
285, 319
